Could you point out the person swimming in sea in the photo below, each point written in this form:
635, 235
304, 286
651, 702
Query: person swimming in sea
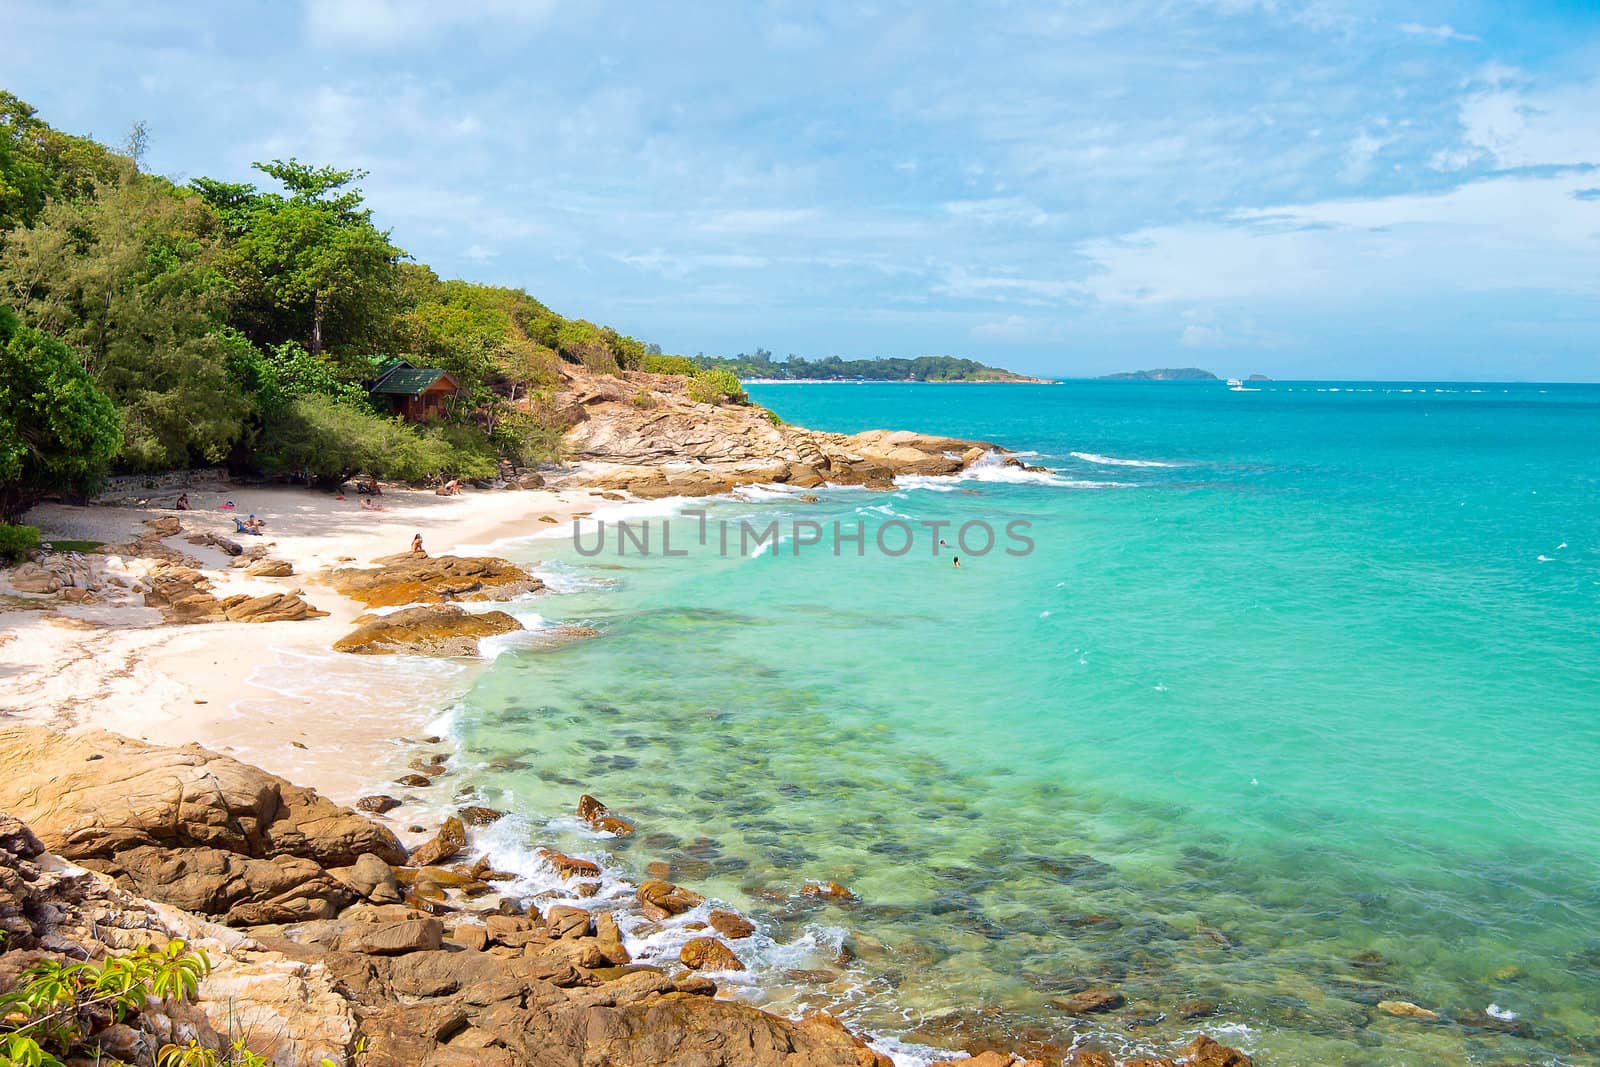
957, 561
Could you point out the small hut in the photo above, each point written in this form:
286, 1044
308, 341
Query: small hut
415, 393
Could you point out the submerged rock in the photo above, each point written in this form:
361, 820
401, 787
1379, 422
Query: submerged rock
599, 817
1407, 1010
660, 900
1090, 1002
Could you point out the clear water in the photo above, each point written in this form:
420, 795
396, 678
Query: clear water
1304, 717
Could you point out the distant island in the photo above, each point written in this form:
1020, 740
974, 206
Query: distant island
761, 365
1258, 378
1164, 374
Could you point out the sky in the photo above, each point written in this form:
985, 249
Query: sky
1313, 189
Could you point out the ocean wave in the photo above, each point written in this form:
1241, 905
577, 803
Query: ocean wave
1113, 461
993, 468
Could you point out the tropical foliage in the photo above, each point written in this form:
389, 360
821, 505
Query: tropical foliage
160, 325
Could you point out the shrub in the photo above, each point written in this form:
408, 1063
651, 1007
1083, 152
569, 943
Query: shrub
715, 385
58, 431
58, 1007
17, 541
527, 438
644, 399
327, 443
668, 365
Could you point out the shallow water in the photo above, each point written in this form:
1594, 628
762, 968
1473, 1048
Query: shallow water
1292, 708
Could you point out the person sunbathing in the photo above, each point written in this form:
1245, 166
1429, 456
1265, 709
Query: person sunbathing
367, 505
183, 502
416, 546
240, 526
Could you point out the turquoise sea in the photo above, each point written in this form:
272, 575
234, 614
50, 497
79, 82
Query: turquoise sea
1294, 707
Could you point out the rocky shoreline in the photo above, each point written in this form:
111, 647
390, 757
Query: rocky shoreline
326, 935
330, 938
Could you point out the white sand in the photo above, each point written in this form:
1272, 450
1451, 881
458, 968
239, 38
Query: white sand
258, 691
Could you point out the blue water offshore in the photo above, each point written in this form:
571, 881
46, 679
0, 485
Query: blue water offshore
1293, 709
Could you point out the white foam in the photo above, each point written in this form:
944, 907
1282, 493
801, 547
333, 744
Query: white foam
994, 468
1114, 461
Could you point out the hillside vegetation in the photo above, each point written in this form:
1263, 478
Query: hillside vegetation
151, 325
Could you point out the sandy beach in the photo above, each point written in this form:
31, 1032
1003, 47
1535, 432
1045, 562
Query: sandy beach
273, 694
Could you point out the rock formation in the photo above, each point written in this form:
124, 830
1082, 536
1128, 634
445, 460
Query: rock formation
408, 579
675, 446
429, 630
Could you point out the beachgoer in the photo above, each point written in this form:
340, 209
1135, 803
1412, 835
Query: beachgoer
416, 546
957, 561
227, 506
183, 502
450, 488
254, 523
367, 505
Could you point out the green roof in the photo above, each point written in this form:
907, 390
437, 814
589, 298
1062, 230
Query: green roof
409, 381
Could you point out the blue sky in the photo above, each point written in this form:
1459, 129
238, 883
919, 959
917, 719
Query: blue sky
1304, 189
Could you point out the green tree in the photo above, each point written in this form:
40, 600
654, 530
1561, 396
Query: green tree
130, 276
58, 431
310, 266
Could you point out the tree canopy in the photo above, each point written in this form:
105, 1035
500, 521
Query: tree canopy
224, 322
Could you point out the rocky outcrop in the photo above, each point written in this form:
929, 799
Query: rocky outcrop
409, 579
677, 447
183, 595
195, 829
431, 630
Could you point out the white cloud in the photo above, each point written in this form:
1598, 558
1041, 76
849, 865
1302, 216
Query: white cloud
998, 211
1505, 233
1442, 32
383, 23
480, 253
1521, 127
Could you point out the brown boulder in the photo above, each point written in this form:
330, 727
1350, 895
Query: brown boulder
730, 924
1206, 1052
569, 866
447, 844
709, 954
688, 1030
565, 921
92, 795
372, 878
394, 938
827, 891
408, 579
274, 607
599, 817
377, 804
478, 815
440, 630
660, 900
269, 568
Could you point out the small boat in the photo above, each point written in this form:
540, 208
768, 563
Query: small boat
1234, 383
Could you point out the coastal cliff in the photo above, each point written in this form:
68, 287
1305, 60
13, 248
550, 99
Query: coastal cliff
326, 941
